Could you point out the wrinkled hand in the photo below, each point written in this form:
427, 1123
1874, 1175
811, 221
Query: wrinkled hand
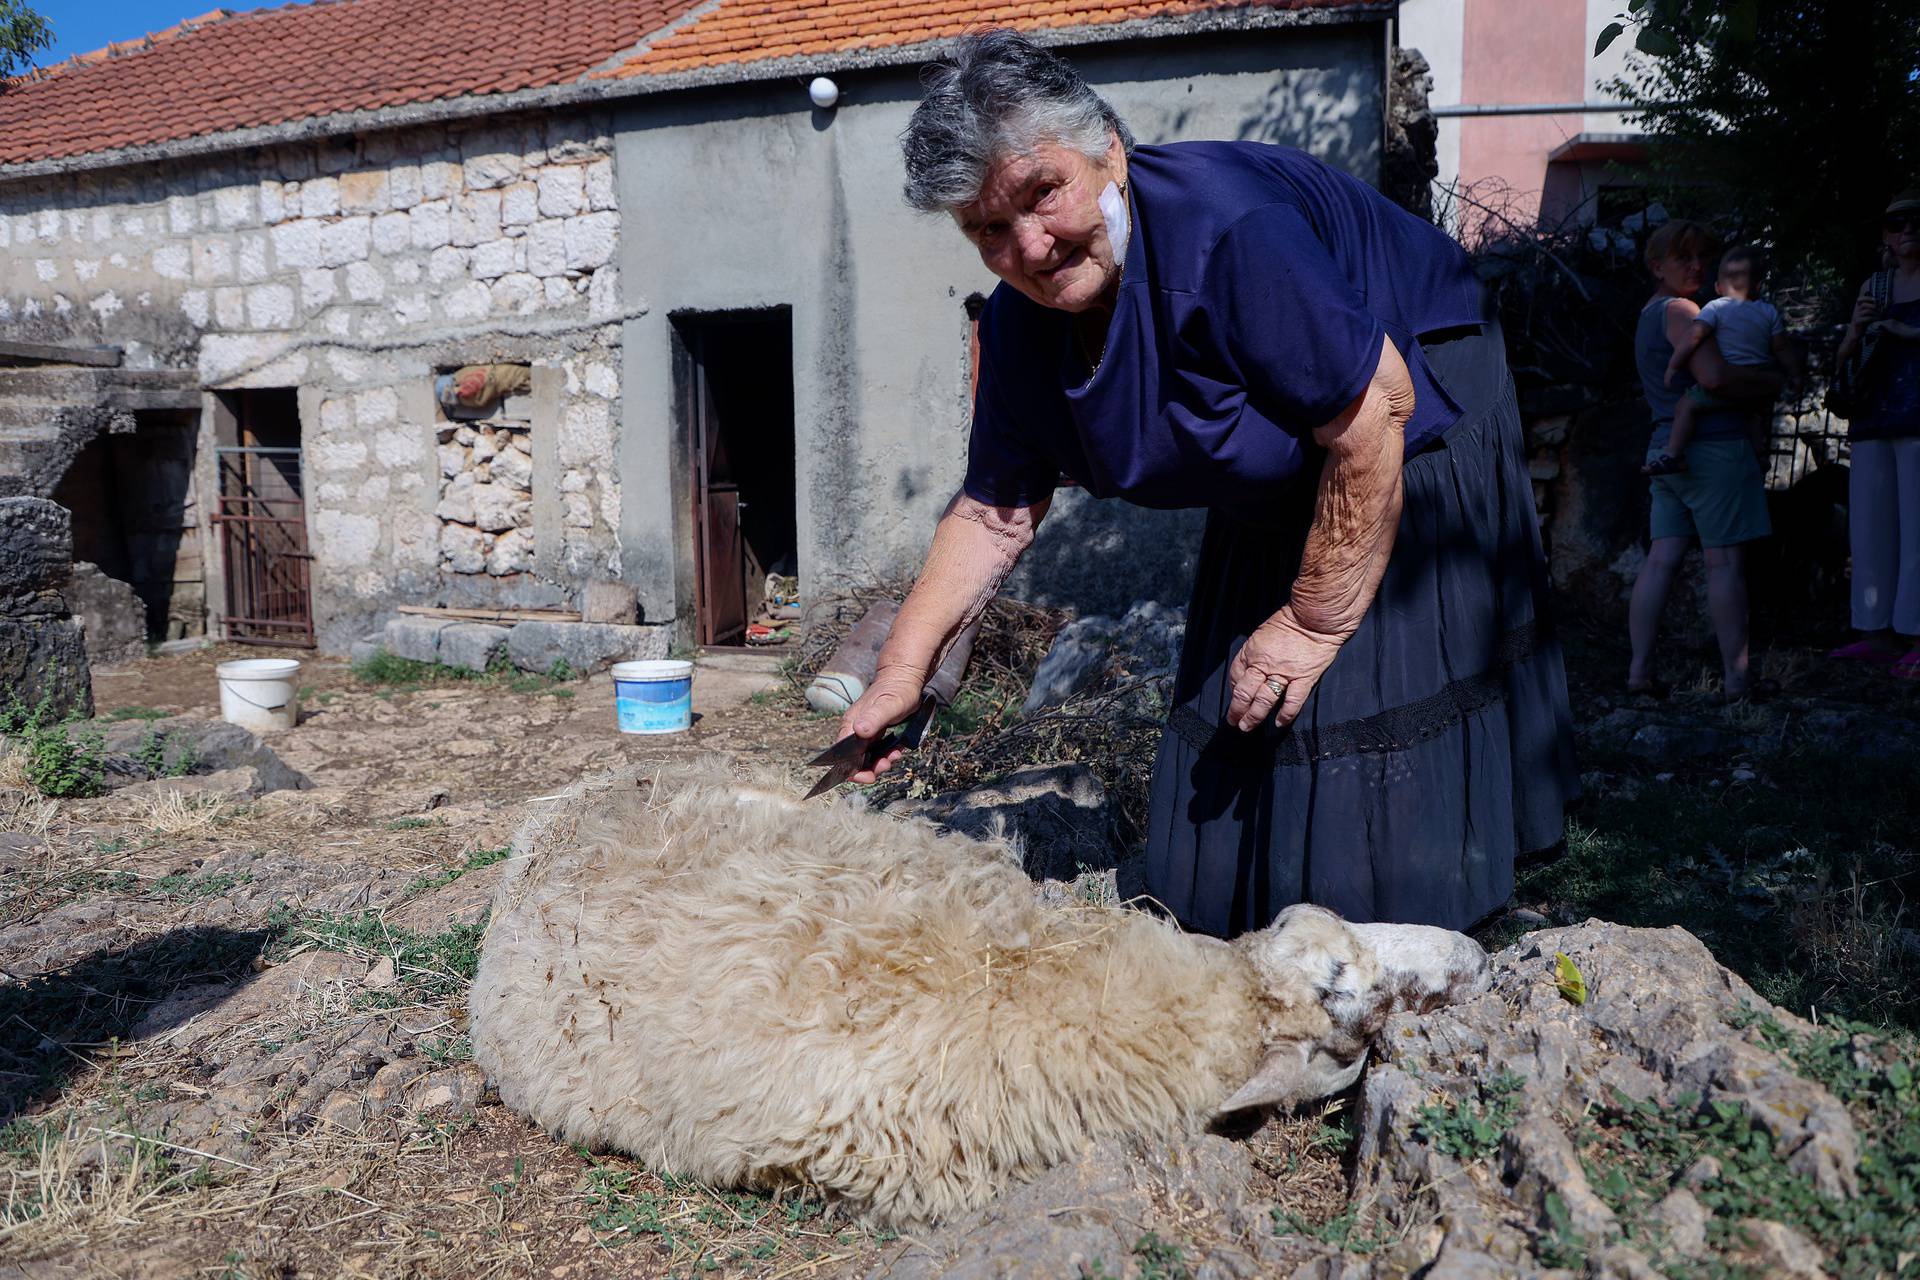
1280, 648
887, 701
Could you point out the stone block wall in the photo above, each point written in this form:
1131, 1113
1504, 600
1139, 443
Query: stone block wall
354, 270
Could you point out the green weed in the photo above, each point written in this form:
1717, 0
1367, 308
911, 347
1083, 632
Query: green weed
427, 966
475, 860
136, 713
1635, 1150
1344, 1231
1467, 1131
191, 888
1160, 1259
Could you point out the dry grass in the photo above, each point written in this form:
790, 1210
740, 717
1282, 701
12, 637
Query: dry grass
172, 814
13, 769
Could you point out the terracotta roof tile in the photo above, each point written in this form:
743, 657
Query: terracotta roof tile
223, 71
236, 71
754, 30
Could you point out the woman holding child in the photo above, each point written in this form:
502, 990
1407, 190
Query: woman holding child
1882, 346
1710, 487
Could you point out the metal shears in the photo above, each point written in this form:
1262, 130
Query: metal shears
852, 753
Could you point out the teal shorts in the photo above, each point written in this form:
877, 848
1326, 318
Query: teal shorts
1707, 400
1721, 498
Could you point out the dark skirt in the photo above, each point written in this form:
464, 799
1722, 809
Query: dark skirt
1439, 744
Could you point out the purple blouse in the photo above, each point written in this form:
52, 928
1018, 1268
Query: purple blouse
1258, 285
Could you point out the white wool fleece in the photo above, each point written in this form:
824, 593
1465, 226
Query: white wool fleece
743, 990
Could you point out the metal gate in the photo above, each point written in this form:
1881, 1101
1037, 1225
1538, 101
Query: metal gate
262, 520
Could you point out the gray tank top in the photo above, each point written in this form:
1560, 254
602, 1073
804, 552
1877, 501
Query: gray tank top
1651, 352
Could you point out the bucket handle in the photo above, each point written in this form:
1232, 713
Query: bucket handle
241, 694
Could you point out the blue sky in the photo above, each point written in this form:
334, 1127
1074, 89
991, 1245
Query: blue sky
83, 25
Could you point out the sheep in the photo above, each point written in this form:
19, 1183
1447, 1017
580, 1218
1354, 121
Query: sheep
743, 990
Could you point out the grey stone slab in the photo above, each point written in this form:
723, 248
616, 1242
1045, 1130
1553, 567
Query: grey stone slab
367, 648
416, 639
198, 748
583, 646
472, 645
114, 617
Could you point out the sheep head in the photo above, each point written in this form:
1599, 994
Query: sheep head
1330, 986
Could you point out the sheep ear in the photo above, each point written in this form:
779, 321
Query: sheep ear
1280, 1078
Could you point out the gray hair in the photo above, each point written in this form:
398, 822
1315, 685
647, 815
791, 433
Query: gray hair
997, 94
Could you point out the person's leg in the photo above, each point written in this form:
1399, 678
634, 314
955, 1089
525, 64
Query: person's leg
1727, 607
1873, 511
1906, 575
1650, 590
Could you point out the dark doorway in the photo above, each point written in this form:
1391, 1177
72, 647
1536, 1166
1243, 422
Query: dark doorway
262, 518
133, 503
736, 406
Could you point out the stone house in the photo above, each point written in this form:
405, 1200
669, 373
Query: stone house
242, 260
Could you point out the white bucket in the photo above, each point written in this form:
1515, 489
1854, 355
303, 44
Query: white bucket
655, 696
260, 693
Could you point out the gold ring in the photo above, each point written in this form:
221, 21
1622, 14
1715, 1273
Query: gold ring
1278, 686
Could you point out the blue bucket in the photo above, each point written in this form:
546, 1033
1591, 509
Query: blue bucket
655, 696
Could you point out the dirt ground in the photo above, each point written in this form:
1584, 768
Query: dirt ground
233, 1028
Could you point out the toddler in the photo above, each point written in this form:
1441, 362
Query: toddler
1749, 332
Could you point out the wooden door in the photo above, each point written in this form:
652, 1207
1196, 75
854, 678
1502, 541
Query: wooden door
720, 562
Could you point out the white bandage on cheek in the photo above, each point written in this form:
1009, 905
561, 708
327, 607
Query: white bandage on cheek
1113, 207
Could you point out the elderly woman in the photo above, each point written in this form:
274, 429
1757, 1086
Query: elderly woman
1369, 714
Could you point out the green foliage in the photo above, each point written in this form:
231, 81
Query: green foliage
136, 713
475, 860
1345, 1231
1797, 886
61, 762
1635, 1150
403, 675
1467, 1131
412, 824
23, 33
1160, 1259
385, 668
426, 966
1784, 122
65, 764
151, 755
191, 888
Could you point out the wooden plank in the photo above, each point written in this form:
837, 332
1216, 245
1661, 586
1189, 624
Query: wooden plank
491, 615
48, 353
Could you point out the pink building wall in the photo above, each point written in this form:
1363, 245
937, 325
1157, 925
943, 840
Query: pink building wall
1529, 52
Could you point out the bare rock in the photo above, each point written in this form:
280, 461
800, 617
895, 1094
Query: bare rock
1685, 1219
584, 646
1093, 1210
114, 618
195, 749
1775, 1249
1144, 643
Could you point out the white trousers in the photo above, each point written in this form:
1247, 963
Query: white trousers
1883, 517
